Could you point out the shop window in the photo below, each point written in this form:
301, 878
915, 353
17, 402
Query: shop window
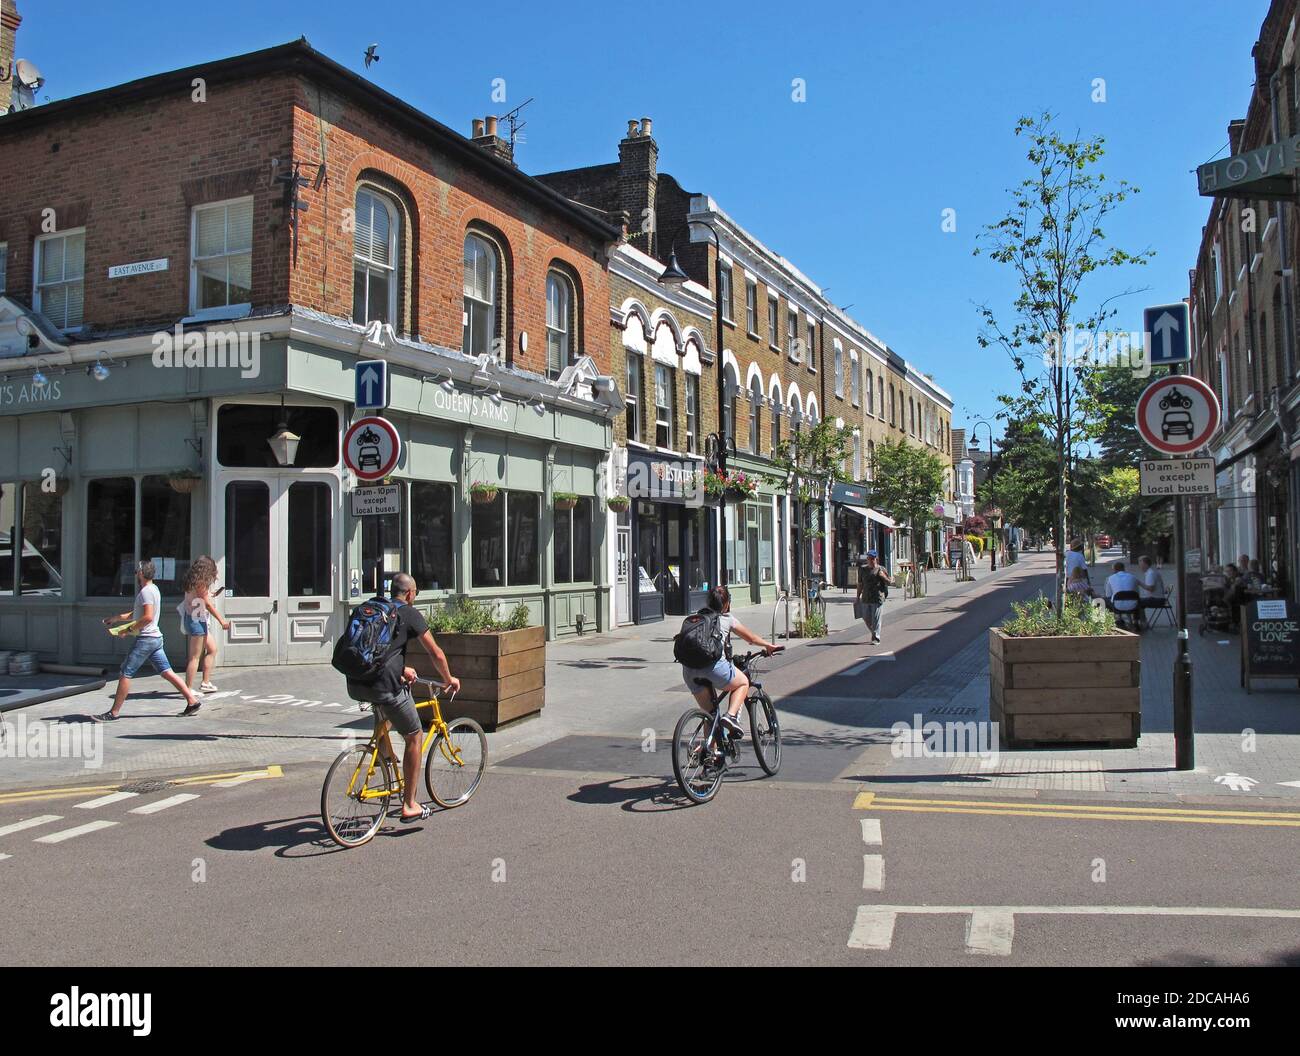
766, 549
482, 267
31, 540
165, 533
248, 539
692, 413
244, 428
60, 269
433, 559
573, 544
310, 529
221, 256
737, 550
651, 564
632, 400
375, 238
559, 313
665, 391
504, 540
110, 537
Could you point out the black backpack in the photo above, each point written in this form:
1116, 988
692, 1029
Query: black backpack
364, 648
699, 643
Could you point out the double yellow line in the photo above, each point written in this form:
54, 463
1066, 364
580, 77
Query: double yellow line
1105, 812
35, 795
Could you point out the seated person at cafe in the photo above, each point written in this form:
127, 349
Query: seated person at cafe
1121, 581
1151, 585
1078, 584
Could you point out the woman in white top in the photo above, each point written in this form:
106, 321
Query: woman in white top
195, 610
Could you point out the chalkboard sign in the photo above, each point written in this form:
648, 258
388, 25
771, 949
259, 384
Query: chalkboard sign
1270, 641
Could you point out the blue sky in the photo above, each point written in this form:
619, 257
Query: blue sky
909, 112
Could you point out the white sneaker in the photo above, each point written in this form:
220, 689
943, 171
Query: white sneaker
207, 687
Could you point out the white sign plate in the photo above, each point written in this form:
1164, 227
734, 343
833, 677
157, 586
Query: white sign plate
1178, 476
140, 267
1271, 610
384, 498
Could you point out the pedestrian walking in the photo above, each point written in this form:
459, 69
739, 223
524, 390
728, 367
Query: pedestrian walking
148, 646
197, 609
873, 588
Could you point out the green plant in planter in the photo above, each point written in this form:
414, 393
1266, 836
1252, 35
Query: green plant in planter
618, 503
565, 500
813, 626
483, 491
467, 616
1038, 619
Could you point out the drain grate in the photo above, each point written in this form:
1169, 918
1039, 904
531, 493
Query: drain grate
142, 788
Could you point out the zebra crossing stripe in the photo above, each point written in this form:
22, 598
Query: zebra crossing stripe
30, 823
104, 801
873, 872
873, 929
163, 804
79, 830
990, 931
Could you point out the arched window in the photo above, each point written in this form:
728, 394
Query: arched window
559, 322
374, 258
871, 393
731, 391
854, 373
482, 268
880, 396
891, 405
839, 371
911, 412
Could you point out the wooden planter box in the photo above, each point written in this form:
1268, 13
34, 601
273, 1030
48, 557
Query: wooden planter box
502, 675
1062, 691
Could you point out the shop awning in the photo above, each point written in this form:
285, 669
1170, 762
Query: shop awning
871, 515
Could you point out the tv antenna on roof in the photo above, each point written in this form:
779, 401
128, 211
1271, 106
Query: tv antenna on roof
513, 118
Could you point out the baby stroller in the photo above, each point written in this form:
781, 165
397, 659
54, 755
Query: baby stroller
1217, 615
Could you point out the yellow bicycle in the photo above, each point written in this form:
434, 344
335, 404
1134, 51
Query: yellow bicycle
366, 779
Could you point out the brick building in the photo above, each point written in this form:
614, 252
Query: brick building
790, 358
1243, 292
193, 265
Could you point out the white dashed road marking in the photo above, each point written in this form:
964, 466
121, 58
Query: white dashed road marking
873, 929
857, 669
871, 832
80, 830
873, 872
103, 801
163, 804
30, 823
4, 856
990, 931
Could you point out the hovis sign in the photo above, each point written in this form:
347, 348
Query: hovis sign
1178, 476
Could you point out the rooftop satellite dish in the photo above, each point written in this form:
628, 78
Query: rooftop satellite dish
28, 80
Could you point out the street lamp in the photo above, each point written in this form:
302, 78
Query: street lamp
674, 276
993, 564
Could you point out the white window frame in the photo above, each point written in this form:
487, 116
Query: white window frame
839, 371
394, 231
692, 412
220, 311
634, 370
773, 320
727, 292
563, 282
665, 421
494, 254
751, 305
41, 240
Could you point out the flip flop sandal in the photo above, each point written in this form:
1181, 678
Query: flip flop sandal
426, 812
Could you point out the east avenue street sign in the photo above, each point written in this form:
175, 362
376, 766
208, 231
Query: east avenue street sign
1178, 476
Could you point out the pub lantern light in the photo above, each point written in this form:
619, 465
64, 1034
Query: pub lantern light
284, 444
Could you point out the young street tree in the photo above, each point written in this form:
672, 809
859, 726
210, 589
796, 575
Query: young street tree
814, 458
907, 481
1052, 240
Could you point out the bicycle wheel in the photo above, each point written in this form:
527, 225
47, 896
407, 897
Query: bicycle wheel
350, 819
765, 731
697, 779
455, 763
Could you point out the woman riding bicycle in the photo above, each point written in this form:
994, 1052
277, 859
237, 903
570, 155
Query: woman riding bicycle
724, 674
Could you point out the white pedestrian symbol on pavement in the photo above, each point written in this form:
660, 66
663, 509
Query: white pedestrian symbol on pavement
1236, 782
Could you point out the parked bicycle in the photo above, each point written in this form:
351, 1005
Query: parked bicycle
366, 780
702, 748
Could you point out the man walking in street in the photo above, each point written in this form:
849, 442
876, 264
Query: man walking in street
873, 587
148, 647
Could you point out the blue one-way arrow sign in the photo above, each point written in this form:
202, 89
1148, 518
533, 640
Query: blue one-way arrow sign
371, 379
1167, 336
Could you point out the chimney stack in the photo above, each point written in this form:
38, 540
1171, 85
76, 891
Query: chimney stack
9, 21
485, 136
476, 128
638, 182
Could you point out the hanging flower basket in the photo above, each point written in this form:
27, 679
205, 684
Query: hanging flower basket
565, 500
618, 503
184, 482
740, 487
483, 493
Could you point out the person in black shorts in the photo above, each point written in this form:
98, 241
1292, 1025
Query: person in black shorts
390, 694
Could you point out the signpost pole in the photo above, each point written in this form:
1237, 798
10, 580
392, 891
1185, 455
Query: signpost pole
1184, 736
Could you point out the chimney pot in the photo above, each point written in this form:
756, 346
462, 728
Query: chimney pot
477, 127
491, 125
646, 126
632, 132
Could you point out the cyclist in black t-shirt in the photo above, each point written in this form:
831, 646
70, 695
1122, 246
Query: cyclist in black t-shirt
390, 694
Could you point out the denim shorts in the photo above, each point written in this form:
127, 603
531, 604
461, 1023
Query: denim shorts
146, 650
719, 675
192, 628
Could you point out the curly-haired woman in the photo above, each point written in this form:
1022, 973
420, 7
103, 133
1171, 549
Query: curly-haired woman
195, 611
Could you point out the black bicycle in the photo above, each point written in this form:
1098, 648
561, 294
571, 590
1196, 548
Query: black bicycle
702, 747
